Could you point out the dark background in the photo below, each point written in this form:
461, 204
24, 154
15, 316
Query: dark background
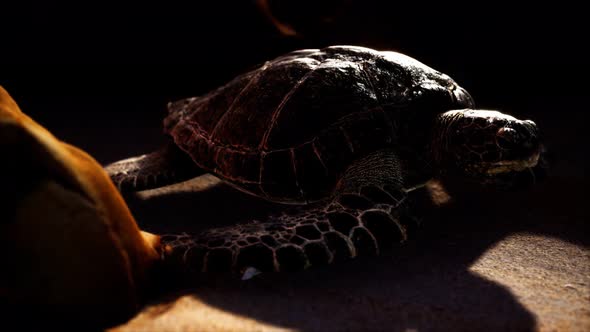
99, 76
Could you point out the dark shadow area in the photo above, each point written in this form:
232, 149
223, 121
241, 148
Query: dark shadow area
426, 285
217, 206
107, 92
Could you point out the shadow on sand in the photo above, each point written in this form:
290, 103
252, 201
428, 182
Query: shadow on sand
426, 285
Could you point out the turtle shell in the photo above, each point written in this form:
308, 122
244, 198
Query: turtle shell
287, 130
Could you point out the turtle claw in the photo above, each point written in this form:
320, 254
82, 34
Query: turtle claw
250, 272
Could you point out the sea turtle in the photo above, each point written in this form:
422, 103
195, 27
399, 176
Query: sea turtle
345, 133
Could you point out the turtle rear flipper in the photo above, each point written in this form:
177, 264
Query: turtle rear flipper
162, 167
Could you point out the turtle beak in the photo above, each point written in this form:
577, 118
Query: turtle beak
461, 96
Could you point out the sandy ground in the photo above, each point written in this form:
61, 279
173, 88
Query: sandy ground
486, 264
518, 261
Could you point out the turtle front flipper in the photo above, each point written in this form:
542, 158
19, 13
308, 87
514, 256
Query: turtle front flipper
165, 166
366, 216
369, 222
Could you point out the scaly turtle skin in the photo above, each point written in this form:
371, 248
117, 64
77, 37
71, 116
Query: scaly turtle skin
343, 132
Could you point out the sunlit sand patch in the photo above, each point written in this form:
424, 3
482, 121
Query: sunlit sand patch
189, 314
556, 290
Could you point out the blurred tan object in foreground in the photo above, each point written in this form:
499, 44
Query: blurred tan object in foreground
72, 248
302, 17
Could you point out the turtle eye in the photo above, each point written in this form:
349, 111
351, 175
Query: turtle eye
507, 138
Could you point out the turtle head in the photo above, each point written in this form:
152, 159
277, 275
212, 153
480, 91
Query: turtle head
485, 147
